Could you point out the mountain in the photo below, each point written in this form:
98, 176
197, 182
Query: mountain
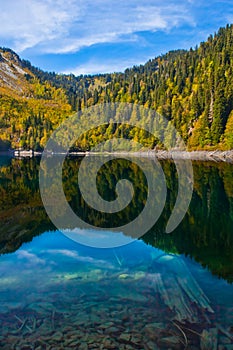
192, 89
12, 74
29, 109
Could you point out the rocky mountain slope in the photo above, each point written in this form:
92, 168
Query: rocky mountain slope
29, 109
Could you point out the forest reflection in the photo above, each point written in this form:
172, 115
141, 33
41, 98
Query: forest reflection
205, 234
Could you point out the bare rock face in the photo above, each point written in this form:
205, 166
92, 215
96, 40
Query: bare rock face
12, 74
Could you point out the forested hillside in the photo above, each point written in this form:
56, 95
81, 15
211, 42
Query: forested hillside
29, 109
193, 89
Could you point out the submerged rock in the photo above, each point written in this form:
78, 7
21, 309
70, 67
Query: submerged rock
172, 342
125, 337
209, 339
123, 276
151, 346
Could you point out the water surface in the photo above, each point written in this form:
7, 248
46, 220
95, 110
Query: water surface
162, 291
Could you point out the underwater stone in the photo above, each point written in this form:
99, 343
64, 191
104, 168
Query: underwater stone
125, 336
106, 325
113, 330
57, 336
151, 346
136, 338
83, 346
138, 275
123, 276
173, 342
154, 329
209, 339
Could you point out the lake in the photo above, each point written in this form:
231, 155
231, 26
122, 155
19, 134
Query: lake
161, 291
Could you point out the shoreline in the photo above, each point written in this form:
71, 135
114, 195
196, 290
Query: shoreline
215, 156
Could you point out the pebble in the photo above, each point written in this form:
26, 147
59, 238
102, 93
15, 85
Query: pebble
72, 343
125, 337
173, 342
83, 346
106, 325
57, 336
114, 323
113, 330
151, 346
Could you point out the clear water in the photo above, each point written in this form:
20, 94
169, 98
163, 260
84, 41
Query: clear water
160, 292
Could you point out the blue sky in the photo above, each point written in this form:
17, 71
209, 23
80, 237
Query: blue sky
84, 36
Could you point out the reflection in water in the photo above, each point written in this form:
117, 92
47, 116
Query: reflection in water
55, 292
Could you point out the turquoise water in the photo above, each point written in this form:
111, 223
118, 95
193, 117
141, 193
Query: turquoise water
160, 292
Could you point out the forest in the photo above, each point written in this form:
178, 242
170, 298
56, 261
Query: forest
192, 89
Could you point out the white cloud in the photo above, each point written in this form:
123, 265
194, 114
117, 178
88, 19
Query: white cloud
96, 67
65, 252
74, 255
62, 26
32, 258
29, 23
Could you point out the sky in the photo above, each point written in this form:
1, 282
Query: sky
98, 36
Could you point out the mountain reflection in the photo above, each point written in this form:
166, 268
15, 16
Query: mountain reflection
205, 234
